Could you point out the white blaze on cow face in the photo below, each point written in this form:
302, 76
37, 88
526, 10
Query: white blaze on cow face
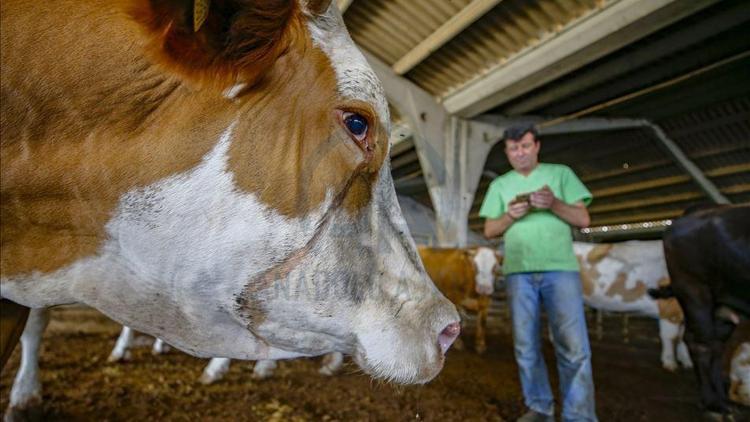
356, 79
485, 262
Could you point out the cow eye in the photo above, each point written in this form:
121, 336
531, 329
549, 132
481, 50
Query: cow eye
356, 124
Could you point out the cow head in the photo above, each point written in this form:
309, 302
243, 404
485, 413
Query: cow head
303, 248
487, 265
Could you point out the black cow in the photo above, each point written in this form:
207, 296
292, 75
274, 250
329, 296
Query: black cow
708, 257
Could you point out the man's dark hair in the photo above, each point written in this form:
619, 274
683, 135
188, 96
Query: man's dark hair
516, 132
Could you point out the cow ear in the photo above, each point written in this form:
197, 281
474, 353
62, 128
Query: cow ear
220, 42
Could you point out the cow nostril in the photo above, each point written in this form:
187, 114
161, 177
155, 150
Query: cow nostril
449, 335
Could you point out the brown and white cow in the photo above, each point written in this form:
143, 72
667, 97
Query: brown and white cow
616, 277
739, 375
222, 185
466, 277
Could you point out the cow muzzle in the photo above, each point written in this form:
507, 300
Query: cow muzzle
408, 347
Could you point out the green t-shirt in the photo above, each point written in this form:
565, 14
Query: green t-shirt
540, 241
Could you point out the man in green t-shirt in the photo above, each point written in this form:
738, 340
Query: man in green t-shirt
534, 206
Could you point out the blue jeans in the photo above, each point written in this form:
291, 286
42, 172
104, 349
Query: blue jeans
559, 294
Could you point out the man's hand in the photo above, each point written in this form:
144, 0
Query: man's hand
543, 198
518, 209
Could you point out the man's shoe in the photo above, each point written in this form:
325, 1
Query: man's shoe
534, 416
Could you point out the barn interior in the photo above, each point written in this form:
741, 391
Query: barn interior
648, 101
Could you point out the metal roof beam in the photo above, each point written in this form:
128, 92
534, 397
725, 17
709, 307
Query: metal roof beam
616, 25
586, 124
687, 164
457, 23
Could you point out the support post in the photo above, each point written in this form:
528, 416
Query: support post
451, 151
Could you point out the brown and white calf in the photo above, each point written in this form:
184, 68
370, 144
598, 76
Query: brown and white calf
616, 277
220, 183
466, 276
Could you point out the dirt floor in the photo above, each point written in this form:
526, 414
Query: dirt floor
79, 384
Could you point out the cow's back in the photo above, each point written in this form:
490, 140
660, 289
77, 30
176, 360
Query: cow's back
713, 245
617, 276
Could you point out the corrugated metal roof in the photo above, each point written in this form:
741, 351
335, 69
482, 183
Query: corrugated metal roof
390, 29
507, 30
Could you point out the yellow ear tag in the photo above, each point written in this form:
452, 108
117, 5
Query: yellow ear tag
200, 13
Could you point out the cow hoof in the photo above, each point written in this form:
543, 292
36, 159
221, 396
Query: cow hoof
207, 379
260, 376
29, 412
718, 417
160, 350
325, 371
670, 366
481, 348
329, 371
116, 357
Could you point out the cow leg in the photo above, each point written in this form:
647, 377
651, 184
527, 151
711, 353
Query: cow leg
12, 322
723, 331
332, 362
215, 370
121, 350
159, 347
705, 342
683, 355
264, 369
26, 394
480, 342
669, 332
